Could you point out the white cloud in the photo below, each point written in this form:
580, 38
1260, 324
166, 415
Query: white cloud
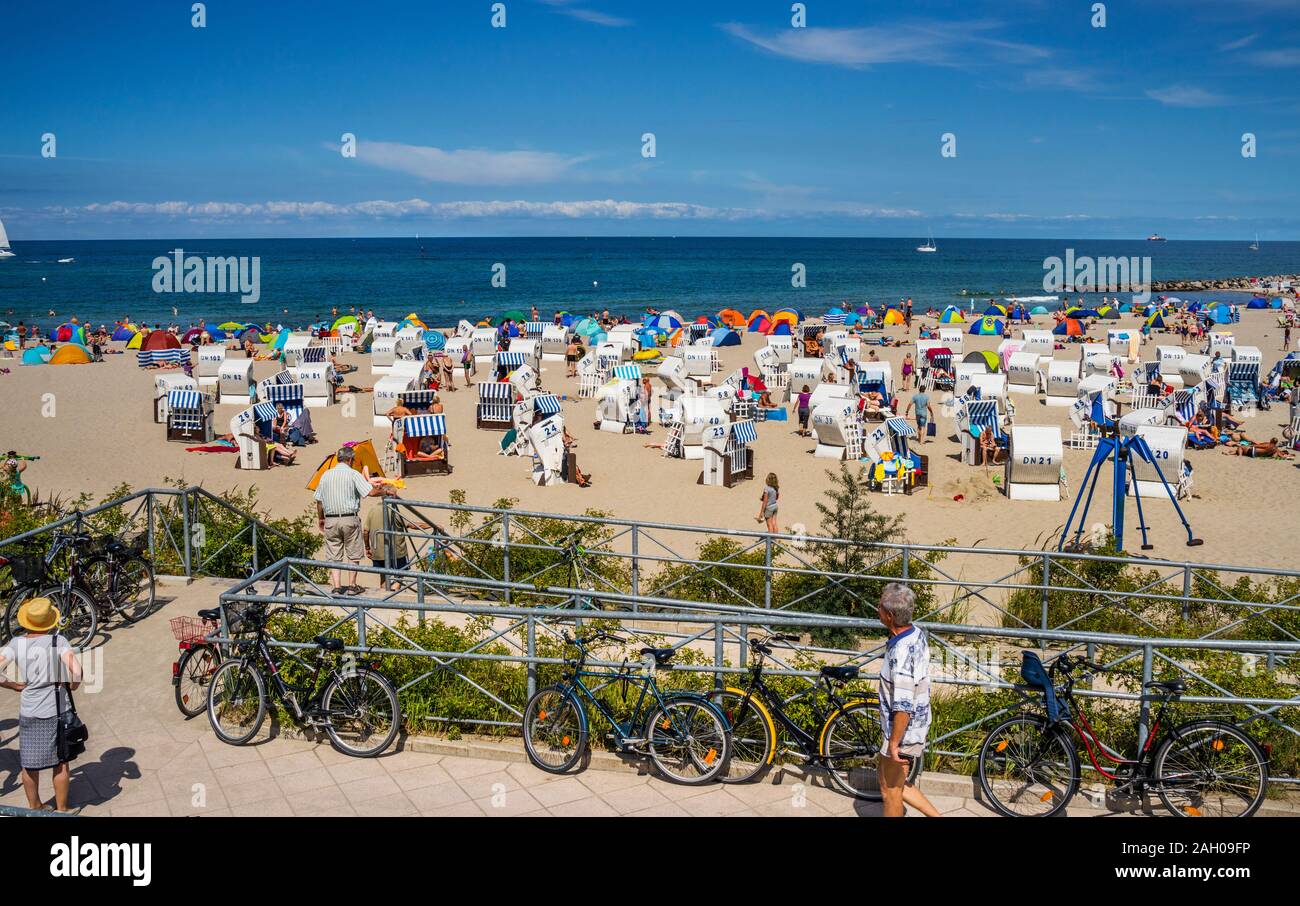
467, 167
1281, 57
380, 209
1239, 43
962, 45
594, 16
1186, 96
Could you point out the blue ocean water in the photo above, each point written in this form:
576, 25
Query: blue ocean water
304, 280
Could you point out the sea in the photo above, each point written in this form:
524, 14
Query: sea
304, 281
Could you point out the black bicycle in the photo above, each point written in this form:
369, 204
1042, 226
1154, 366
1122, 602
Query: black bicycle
120, 578
683, 734
356, 706
848, 738
1029, 763
37, 575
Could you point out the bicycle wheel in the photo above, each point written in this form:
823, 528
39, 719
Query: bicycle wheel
133, 589
236, 702
97, 574
850, 746
362, 713
78, 618
555, 729
193, 677
1028, 768
1208, 768
753, 735
687, 740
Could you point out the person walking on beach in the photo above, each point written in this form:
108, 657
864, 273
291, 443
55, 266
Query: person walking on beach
908, 366
768, 503
904, 686
802, 401
45, 662
467, 363
338, 506
571, 356
924, 413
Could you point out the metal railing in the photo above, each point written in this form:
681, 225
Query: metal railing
790, 572
176, 525
510, 622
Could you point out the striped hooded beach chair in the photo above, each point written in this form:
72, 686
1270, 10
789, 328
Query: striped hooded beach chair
409, 436
496, 403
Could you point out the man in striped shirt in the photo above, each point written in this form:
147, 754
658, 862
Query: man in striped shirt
338, 507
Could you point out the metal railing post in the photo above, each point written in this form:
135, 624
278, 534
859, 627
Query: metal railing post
636, 561
1187, 591
906, 564
767, 572
1144, 707
255, 557
719, 655
149, 528
1047, 583
361, 625
505, 553
185, 528
419, 599
531, 629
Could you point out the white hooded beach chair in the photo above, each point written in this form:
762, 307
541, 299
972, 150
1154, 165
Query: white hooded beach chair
1035, 456
234, 382
208, 369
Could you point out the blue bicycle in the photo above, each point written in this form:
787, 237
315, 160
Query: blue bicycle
683, 734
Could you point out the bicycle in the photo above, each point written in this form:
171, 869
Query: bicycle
1029, 764
357, 706
34, 577
199, 658
121, 579
683, 734
846, 745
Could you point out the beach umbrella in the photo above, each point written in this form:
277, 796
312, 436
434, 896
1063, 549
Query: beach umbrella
894, 316
36, 355
339, 321
231, 325
250, 333
862, 310
434, 340
675, 315
70, 354
985, 357
160, 339
666, 321
123, 333
987, 327
732, 318
724, 336
1038, 310
513, 314
1069, 327
952, 316
192, 334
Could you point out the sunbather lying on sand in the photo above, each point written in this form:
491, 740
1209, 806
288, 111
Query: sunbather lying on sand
1258, 450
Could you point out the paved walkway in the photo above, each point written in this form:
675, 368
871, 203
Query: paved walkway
144, 758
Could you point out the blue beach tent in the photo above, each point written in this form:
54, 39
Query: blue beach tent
724, 336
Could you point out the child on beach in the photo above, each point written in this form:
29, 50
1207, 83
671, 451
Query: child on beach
767, 504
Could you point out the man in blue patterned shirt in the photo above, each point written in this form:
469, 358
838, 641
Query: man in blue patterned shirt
904, 702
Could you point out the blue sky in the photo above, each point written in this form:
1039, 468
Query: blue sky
1062, 129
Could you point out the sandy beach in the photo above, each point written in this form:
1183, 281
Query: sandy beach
92, 427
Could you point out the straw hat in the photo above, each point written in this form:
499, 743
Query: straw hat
38, 615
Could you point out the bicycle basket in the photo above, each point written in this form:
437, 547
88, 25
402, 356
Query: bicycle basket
27, 568
190, 629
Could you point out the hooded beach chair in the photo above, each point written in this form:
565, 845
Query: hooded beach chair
409, 436
189, 416
496, 402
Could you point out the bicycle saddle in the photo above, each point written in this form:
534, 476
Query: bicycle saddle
1176, 687
662, 655
328, 644
213, 613
840, 673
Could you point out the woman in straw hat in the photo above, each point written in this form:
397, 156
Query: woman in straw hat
37, 653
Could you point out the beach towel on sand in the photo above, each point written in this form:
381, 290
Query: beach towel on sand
223, 447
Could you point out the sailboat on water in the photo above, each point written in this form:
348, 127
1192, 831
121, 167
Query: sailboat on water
929, 245
1254, 246
5, 251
